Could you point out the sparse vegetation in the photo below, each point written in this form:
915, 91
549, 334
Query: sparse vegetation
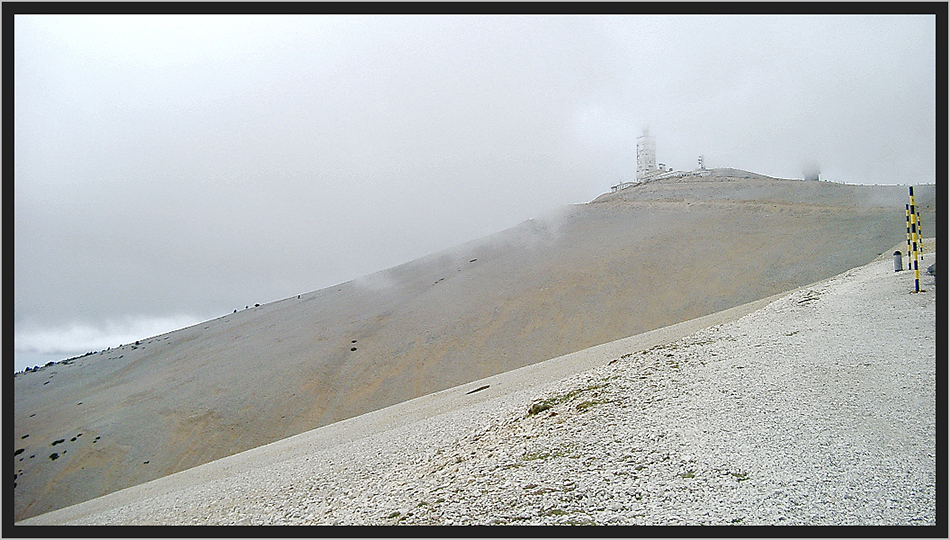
531, 456
546, 454
551, 402
540, 407
584, 405
622, 357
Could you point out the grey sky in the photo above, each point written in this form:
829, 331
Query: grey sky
170, 169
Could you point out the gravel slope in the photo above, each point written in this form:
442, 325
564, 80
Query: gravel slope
817, 409
584, 275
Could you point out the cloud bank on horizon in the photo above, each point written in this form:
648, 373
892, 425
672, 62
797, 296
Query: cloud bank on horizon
169, 169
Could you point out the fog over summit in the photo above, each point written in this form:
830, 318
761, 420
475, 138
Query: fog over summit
171, 169
631, 261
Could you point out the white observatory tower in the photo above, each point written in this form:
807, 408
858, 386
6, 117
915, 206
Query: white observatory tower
646, 156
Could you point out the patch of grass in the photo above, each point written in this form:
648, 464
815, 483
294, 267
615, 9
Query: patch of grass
622, 357
556, 400
532, 456
555, 512
740, 476
574, 393
549, 453
394, 515
809, 296
540, 407
688, 474
584, 405
664, 346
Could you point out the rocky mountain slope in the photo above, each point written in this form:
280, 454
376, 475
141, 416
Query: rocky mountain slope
815, 407
628, 262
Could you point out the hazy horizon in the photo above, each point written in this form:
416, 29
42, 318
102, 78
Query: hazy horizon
171, 169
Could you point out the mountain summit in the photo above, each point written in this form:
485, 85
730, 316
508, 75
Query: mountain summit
633, 260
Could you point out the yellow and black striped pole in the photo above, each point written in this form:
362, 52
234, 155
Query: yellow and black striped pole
913, 234
920, 237
907, 220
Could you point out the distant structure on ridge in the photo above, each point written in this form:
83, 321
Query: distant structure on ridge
646, 156
648, 169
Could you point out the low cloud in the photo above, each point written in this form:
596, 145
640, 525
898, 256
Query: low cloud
78, 338
198, 164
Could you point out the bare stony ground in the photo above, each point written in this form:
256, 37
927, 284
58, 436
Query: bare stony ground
816, 407
630, 262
